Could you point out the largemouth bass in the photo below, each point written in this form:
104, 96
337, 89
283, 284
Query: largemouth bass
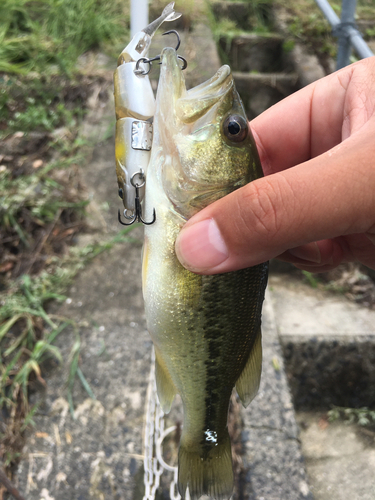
205, 329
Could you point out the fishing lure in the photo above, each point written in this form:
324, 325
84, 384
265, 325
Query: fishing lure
135, 108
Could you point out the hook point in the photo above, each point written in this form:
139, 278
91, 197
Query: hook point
177, 35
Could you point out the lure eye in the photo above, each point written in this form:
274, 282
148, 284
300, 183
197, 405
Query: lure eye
235, 128
121, 193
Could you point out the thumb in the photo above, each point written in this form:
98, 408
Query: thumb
326, 197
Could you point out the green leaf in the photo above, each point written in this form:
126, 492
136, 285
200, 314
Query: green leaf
85, 384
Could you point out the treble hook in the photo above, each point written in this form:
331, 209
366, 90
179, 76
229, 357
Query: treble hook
138, 207
178, 38
145, 60
184, 61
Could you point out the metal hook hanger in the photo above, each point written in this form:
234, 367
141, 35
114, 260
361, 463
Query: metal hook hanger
145, 60
138, 207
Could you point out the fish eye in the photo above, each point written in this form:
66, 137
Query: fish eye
235, 128
121, 193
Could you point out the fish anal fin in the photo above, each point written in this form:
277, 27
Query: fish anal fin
247, 384
165, 387
206, 474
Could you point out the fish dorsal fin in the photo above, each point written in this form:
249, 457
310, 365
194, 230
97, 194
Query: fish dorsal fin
165, 387
247, 384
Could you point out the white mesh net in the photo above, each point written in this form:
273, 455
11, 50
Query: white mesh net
154, 464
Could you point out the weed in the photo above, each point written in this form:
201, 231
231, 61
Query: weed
37, 211
41, 200
365, 9
41, 104
49, 35
27, 334
311, 279
361, 416
41, 116
313, 27
288, 45
226, 27
224, 31
370, 32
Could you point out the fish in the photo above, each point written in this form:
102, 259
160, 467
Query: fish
206, 329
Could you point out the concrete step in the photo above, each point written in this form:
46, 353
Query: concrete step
245, 15
259, 91
255, 53
328, 344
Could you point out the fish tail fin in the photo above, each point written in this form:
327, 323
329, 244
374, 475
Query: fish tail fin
209, 473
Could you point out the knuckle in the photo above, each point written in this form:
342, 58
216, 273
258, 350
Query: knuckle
264, 199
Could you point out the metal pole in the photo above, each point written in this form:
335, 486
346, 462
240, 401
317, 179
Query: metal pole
347, 19
353, 35
138, 16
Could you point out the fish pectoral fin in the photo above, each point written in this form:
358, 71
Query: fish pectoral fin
247, 384
202, 200
165, 387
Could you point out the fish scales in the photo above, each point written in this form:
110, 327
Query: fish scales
205, 329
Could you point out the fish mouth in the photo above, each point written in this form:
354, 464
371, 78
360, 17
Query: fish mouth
186, 122
189, 105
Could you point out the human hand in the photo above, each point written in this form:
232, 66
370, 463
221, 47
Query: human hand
315, 207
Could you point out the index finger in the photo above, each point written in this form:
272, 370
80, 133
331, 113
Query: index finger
304, 125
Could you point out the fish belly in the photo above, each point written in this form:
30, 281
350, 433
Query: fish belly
204, 329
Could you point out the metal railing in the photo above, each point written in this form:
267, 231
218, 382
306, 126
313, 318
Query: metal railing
138, 15
346, 31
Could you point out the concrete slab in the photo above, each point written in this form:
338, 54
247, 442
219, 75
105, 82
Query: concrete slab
340, 458
329, 352
305, 311
273, 455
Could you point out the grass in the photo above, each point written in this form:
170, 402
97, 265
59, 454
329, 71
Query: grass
27, 334
361, 416
42, 202
49, 35
311, 278
41, 103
